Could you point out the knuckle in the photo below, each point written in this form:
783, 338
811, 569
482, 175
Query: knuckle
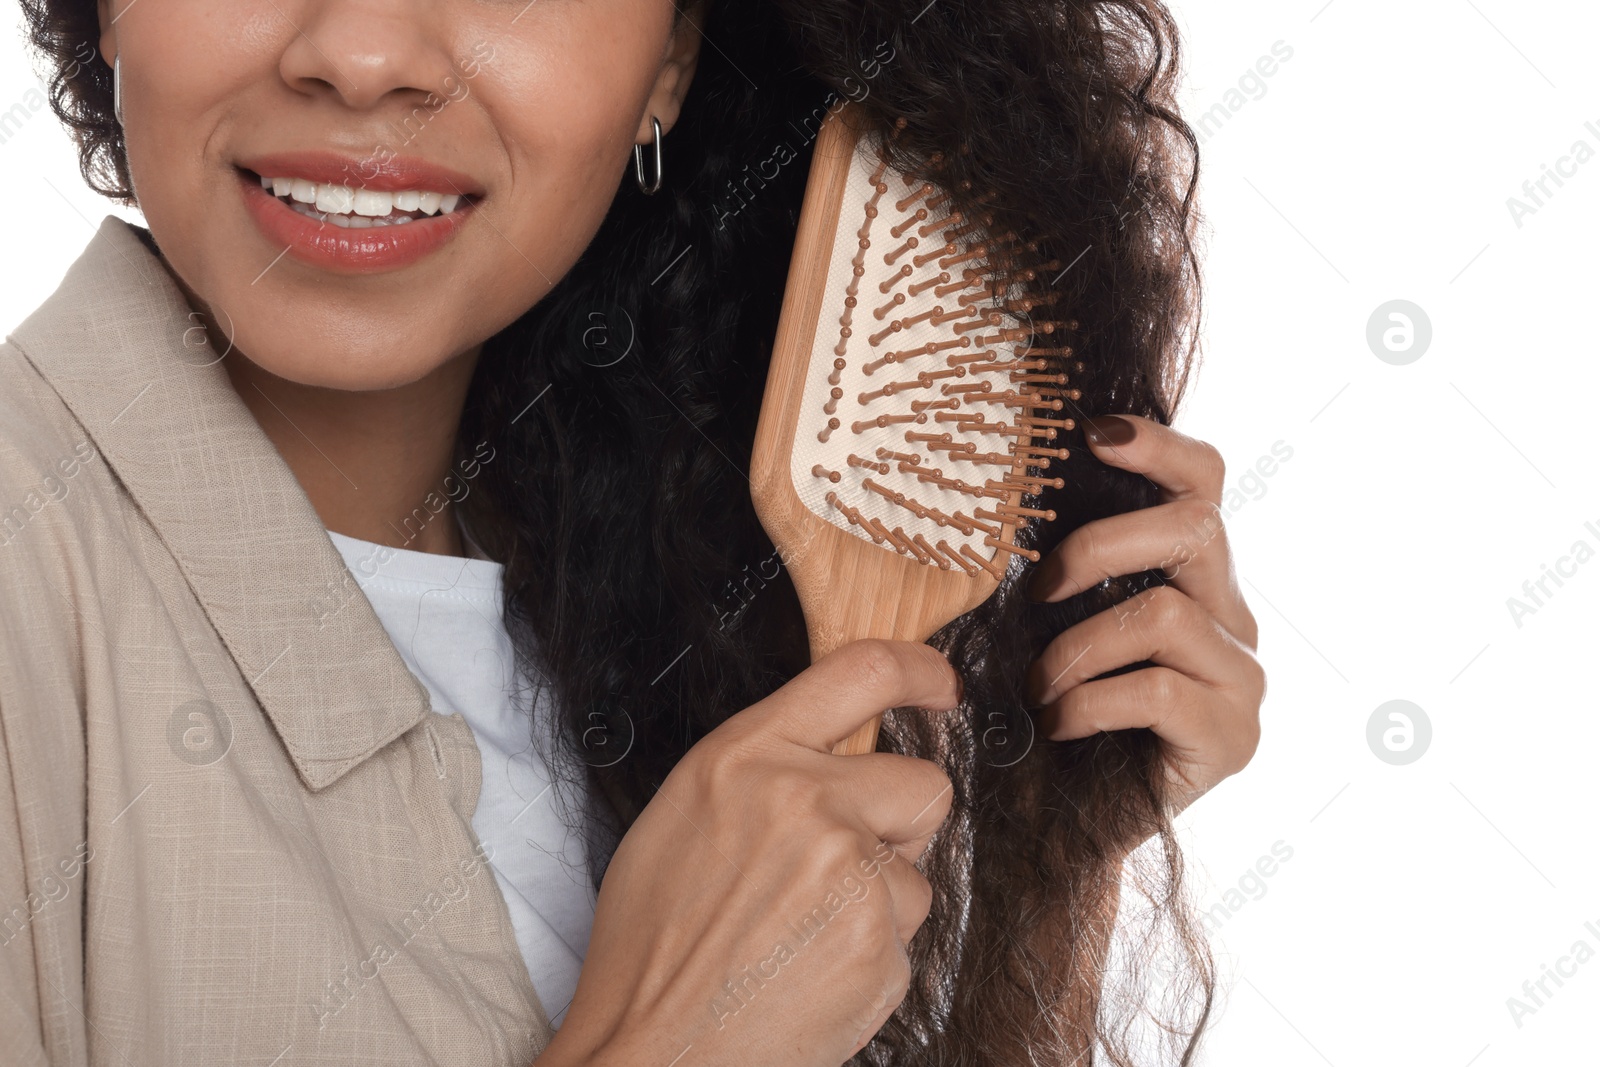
791, 793
1251, 741
1083, 711
1251, 633
833, 847
919, 900
1084, 550
877, 663
1212, 463
735, 732
1201, 518
896, 974
724, 764
1163, 686
868, 936
713, 768
935, 784
933, 776
1258, 680
1250, 733
1166, 608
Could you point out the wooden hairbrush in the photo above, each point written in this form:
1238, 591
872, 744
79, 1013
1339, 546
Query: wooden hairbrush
906, 399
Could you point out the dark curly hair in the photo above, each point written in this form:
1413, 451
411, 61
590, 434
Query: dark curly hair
640, 587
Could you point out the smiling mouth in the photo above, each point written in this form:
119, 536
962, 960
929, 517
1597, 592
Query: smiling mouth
354, 207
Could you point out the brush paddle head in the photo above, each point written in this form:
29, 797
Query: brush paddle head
909, 406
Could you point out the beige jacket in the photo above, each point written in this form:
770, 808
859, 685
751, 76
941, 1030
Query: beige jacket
232, 831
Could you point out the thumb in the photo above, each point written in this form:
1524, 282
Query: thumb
838, 694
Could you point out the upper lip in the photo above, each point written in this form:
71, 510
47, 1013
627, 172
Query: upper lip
380, 173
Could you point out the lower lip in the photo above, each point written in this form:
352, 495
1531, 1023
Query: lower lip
350, 251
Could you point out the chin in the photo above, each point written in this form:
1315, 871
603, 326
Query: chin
381, 359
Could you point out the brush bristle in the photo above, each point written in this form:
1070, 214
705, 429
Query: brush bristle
926, 399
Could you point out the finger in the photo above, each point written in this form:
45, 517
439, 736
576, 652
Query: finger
1185, 540
899, 799
1208, 736
838, 694
910, 893
881, 999
1180, 465
1161, 625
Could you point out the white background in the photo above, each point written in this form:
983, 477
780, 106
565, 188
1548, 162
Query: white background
1379, 559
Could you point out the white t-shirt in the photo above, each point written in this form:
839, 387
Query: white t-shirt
443, 614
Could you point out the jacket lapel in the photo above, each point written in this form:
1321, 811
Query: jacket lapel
121, 346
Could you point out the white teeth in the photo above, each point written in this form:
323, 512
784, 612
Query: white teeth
372, 204
335, 199
342, 221
347, 206
352, 222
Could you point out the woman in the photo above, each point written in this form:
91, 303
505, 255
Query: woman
408, 326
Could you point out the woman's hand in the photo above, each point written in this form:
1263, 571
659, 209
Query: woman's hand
1203, 695
758, 909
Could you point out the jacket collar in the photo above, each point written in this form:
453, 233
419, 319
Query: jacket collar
120, 344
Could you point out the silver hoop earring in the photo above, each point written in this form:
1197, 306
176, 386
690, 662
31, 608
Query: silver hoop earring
638, 161
116, 88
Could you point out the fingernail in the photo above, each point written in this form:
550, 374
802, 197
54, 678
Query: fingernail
1109, 429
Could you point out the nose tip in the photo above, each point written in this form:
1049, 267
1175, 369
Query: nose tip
363, 53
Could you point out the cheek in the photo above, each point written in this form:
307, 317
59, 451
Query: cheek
182, 90
184, 95
568, 152
564, 188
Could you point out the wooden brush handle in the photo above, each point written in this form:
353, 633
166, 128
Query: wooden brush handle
852, 589
862, 741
